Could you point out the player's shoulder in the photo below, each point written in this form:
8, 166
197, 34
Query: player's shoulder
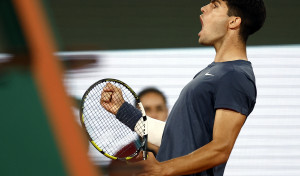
235, 69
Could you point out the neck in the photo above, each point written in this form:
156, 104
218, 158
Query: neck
230, 49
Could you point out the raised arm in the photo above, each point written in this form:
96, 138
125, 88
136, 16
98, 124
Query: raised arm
112, 101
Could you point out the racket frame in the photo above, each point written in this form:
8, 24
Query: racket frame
145, 129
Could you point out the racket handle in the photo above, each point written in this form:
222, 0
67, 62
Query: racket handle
145, 152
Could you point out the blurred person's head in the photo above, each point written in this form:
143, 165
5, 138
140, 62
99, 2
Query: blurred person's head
155, 103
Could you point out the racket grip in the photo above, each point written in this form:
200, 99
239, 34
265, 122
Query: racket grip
145, 152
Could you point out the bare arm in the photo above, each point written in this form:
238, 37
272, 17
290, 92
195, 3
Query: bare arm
227, 126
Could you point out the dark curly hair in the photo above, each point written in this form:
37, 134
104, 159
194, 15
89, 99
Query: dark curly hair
252, 13
154, 90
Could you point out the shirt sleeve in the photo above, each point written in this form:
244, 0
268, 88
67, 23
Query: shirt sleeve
237, 92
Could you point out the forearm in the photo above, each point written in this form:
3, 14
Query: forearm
129, 115
206, 157
132, 117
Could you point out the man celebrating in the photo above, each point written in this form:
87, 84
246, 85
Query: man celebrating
205, 121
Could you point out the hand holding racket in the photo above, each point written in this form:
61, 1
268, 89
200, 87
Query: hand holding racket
114, 126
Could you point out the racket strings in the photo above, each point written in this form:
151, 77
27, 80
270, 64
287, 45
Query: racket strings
107, 132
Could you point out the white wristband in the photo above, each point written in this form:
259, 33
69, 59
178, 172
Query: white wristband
155, 130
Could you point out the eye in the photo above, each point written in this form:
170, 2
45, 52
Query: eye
147, 109
215, 5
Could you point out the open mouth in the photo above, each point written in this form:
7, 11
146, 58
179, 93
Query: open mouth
202, 25
201, 20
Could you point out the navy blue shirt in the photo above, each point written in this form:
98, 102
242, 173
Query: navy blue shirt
228, 85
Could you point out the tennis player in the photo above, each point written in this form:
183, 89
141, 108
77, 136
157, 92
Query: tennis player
204, 123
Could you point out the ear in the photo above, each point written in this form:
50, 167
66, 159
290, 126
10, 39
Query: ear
235, 22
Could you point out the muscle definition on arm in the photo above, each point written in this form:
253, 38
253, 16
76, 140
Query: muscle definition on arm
227, 126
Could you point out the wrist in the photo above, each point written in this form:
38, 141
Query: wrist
167, 168
129, 115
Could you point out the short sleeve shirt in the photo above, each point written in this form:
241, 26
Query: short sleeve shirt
221, 85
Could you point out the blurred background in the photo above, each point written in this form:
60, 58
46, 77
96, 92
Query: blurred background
150, 43
138, 24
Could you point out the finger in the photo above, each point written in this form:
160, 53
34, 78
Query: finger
109, 87
106, 106
151, 155
106, 96
139, 157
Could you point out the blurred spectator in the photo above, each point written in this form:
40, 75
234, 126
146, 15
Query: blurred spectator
155, 103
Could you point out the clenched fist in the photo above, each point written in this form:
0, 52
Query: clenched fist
111, 98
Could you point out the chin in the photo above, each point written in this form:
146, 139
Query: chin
201, 42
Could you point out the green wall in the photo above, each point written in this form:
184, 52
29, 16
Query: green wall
130, 24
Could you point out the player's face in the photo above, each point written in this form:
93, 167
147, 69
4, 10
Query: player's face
155, 106
214, 20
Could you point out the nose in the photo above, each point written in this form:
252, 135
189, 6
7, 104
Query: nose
202, 9
153, 114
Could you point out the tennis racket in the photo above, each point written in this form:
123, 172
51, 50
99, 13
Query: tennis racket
107, 134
